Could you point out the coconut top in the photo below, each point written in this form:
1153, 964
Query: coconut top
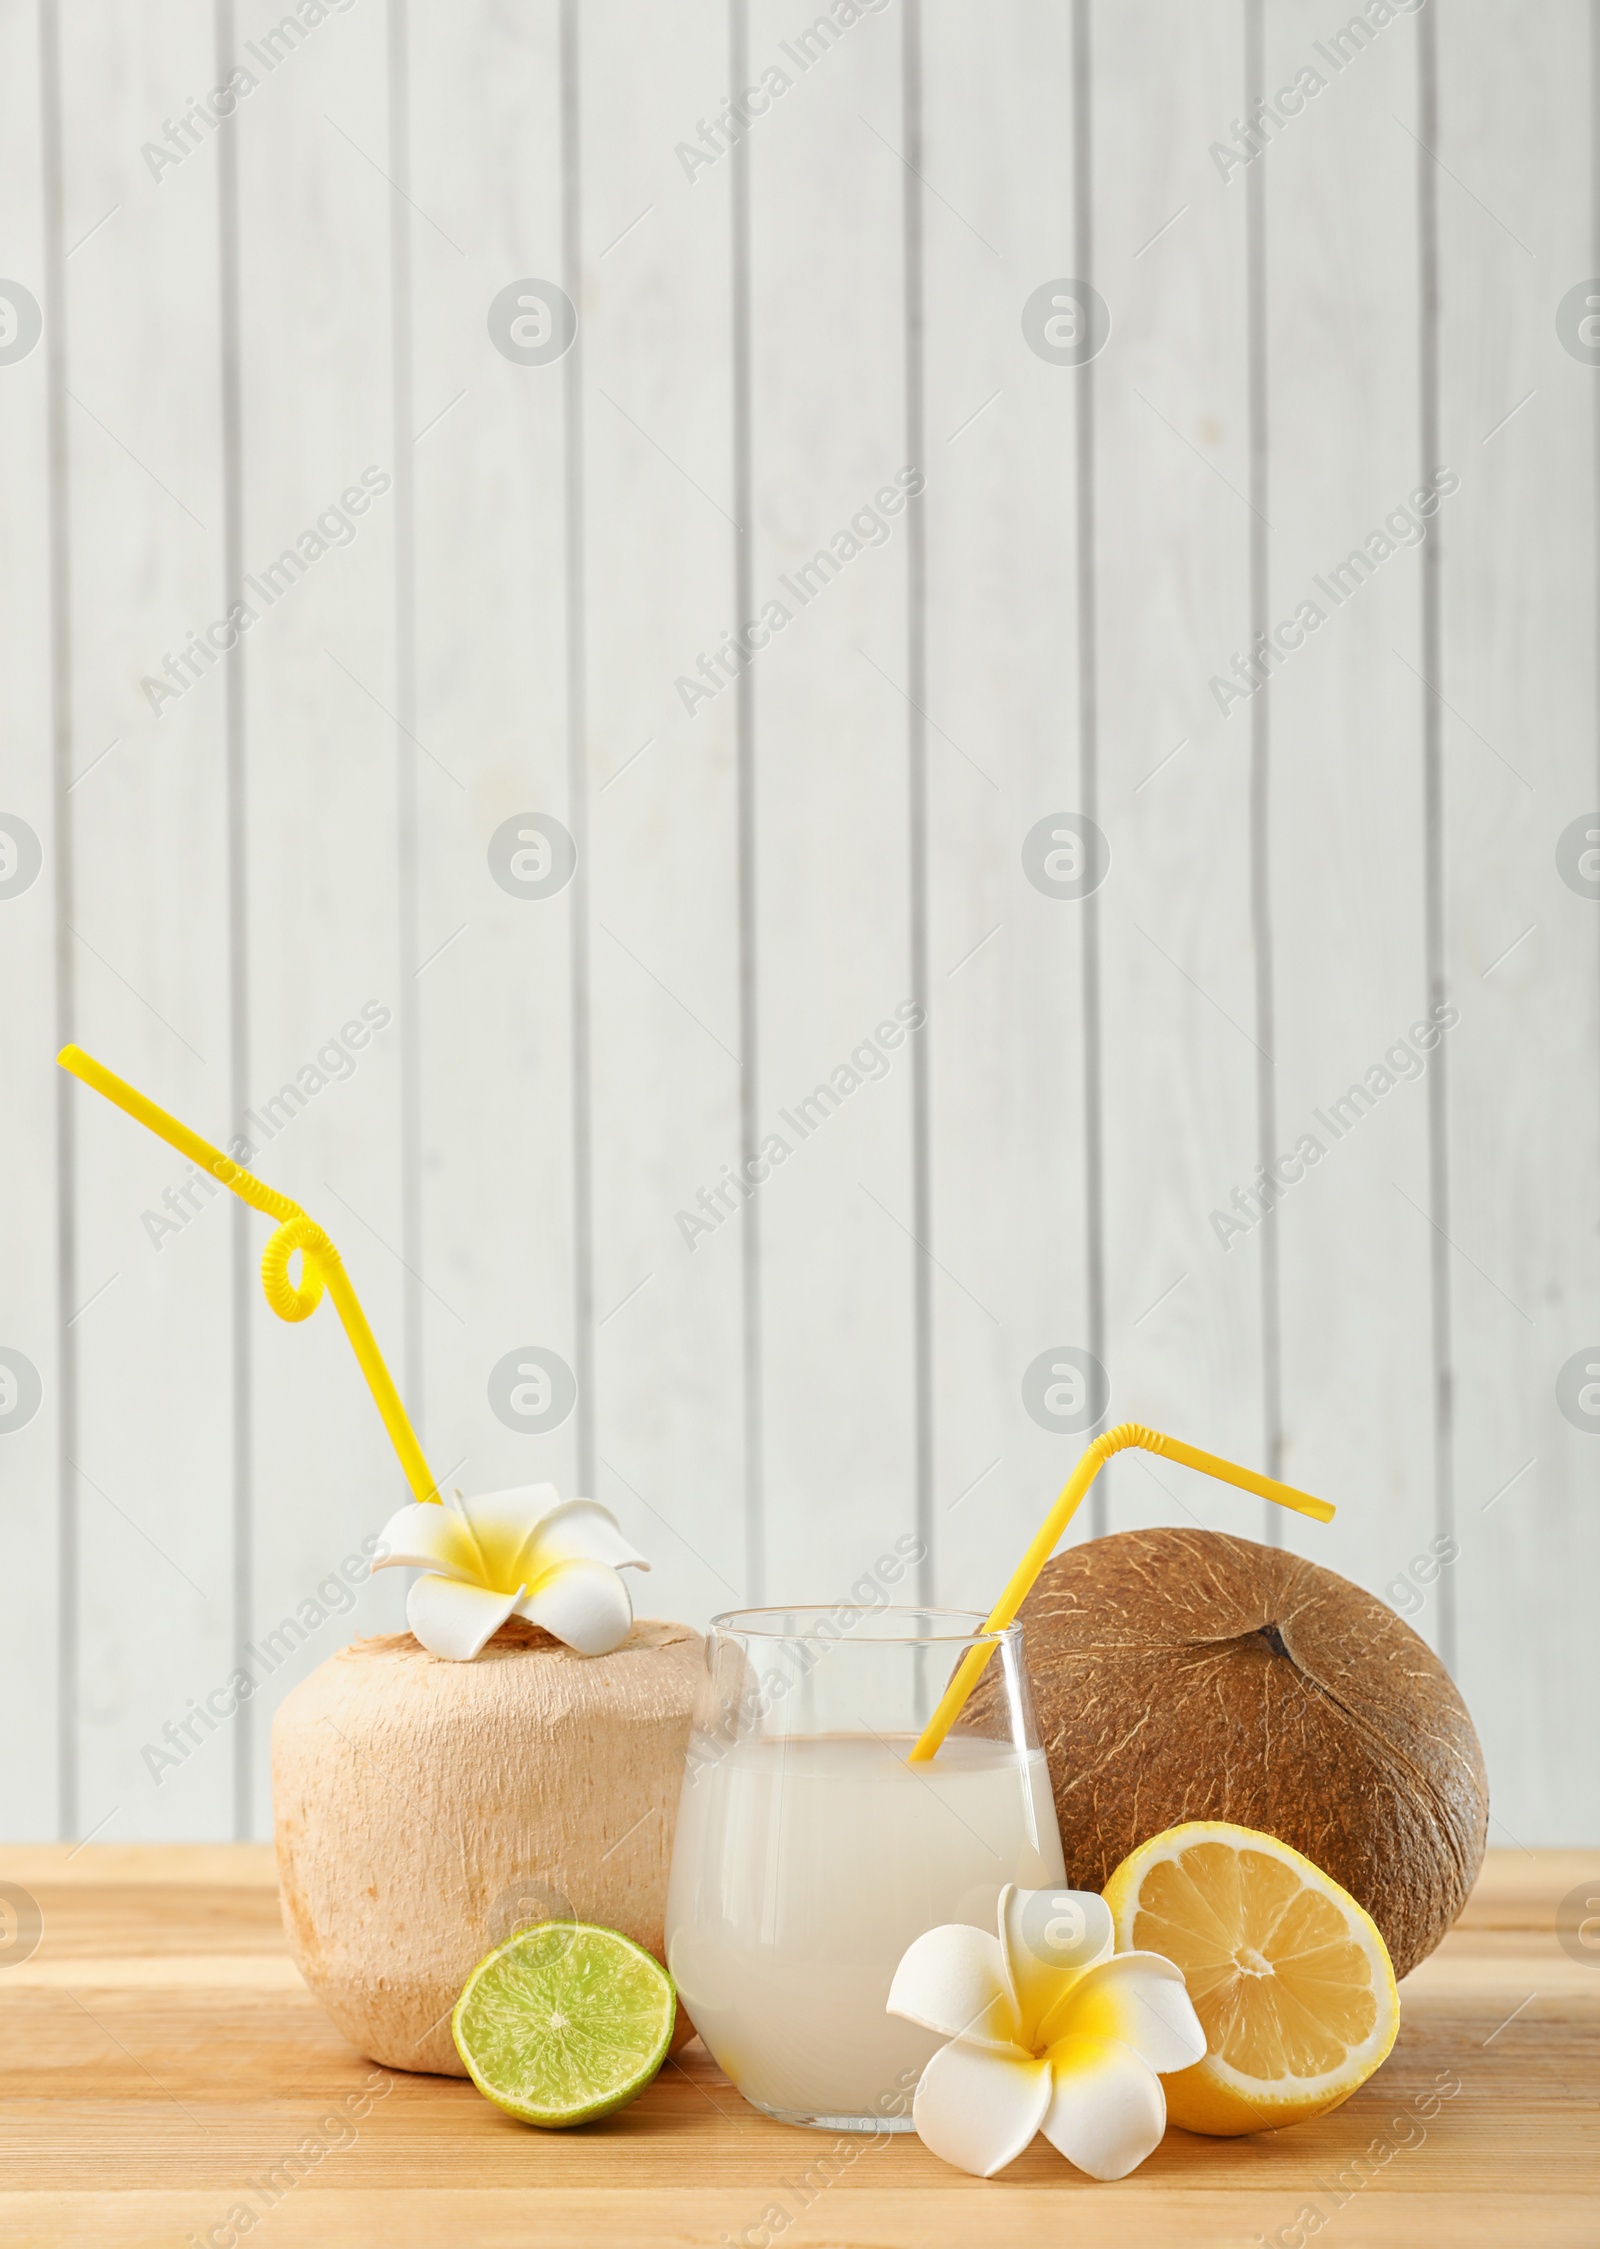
525, 1688
1183, 1674
515, 1638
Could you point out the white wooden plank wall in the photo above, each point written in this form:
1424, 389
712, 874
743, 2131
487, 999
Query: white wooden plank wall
486, 659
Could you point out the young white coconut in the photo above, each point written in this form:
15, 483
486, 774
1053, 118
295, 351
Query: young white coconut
515, 1757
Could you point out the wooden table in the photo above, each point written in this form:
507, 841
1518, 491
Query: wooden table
160, 2054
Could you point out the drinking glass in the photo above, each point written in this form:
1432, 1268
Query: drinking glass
810, 1852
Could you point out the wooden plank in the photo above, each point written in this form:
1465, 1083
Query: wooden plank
833, 815
1181, 1040
178, 2076
1518, 722
1005, 959
415, 2219
1346, 795
28, 1145
321, 471
1515, 1889
151, 916
108, 1865
495, 1004
659, 483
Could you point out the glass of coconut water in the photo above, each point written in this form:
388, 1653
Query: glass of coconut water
810, 1852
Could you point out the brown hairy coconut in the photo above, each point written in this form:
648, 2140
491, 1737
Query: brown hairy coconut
425, 1809
1184, 1675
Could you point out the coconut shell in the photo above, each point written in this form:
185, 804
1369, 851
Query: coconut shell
1183, 1675
424, 1809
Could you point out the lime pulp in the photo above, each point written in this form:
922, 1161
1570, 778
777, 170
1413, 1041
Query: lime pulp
565, 2022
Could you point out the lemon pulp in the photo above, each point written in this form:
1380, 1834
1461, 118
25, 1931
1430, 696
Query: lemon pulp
1288, 1975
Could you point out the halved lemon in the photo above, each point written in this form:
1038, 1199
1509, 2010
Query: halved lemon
1289, 1976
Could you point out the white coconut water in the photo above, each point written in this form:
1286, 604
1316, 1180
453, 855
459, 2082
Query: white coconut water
803, 1868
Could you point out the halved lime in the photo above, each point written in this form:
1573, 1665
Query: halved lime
564, 2023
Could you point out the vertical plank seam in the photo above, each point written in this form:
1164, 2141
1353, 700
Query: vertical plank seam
1261, 932
577, 752
755, 1569
61, 739
1088, 733
240, 1293
1433, 818
408, 901
917, 802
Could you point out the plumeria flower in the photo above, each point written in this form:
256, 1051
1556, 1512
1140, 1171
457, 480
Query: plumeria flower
1050, 2031
522, 1552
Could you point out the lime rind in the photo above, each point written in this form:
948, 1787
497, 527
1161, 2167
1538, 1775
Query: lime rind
565, 2022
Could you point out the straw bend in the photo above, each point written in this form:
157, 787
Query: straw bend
1119, 1439
317, 1257
1095, 1456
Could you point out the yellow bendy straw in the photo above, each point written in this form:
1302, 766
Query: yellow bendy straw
1005, 1609
320, 1264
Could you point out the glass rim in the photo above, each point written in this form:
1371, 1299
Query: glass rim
747, 1624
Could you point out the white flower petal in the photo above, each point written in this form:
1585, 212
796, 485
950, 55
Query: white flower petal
979, 2106
584, 1603
1138, 1999
1107, 2110
581, 1530
519, 1549
953, 1980
454, 1620
428, 1536
505, 1525
1050, 1938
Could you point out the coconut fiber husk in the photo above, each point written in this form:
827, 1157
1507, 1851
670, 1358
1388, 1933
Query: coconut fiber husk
1184, 1675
